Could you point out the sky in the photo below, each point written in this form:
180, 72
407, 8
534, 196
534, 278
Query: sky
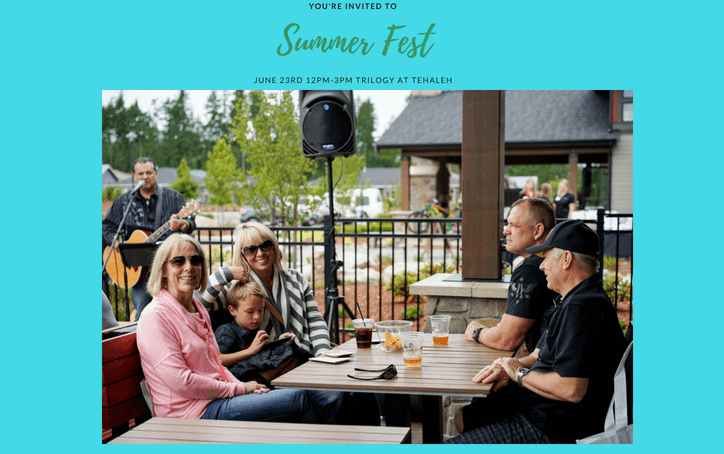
388, 103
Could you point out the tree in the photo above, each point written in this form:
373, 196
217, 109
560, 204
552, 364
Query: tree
219, 123
222, 175
184, 182
345, 176
366, 120
182, 138
272, 146
238, 102
117, 122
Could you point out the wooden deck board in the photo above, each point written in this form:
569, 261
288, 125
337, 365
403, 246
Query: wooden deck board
166, 430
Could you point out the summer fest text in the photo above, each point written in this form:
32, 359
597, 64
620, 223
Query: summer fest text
417, 45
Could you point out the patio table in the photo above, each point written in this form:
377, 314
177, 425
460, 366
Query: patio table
446, 370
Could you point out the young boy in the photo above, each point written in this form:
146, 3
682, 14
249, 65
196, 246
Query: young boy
241, 342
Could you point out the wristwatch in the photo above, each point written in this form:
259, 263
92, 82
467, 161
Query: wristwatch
519, 376
476, 333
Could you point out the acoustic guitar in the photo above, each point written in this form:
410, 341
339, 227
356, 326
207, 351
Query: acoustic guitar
135, 273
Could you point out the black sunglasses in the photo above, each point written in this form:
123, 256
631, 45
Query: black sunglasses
178, 262
250, 251
388, 373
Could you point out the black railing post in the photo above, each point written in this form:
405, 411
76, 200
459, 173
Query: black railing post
600, 215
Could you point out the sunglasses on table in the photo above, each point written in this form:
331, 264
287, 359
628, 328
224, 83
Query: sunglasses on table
178, 262
250, 251
388, 373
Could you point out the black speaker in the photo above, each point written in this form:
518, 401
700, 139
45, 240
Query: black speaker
327, 119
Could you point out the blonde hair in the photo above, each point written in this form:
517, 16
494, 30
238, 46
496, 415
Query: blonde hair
255, 233
156, 281
560, 183
240, 291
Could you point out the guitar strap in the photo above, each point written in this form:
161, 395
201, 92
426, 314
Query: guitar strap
159, 193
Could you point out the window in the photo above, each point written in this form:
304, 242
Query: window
628, 112
622, 110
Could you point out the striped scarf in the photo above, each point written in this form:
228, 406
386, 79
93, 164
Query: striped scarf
293, 297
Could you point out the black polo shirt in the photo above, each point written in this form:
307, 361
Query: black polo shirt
529, 297
583, 339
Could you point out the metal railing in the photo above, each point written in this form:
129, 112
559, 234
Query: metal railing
382, 257
615, 233
365, 247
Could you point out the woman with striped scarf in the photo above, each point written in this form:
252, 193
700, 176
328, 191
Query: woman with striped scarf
290, 298
257, 257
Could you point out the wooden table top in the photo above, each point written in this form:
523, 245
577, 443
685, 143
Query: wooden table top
446, 370
169, 430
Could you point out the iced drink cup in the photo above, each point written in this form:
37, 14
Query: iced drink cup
412, 348
363, 332
440, 329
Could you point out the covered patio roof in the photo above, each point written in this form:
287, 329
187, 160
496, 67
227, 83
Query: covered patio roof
541, 126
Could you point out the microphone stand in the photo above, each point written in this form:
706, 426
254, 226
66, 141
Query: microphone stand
120, 226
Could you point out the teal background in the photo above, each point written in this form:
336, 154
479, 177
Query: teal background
58, 56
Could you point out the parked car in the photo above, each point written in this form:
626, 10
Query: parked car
367, 203
248, 213
323, 210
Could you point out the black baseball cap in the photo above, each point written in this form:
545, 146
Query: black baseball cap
570, 235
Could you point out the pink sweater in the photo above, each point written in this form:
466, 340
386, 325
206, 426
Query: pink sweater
180, 359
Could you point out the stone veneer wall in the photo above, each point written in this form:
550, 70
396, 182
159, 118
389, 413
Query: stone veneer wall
462, 310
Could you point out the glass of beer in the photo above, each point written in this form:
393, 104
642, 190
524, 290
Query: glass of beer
412, 348
440, 329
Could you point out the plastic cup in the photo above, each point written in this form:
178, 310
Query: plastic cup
363, 328
412, 348
440, 329
389, 334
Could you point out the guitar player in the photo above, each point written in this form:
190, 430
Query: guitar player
146, 214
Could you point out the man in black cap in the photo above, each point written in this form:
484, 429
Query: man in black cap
561, 392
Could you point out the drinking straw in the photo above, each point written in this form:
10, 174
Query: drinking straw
360, 313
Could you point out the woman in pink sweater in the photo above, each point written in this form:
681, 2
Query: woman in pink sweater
179, 355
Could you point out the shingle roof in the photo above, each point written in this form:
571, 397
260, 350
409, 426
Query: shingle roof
380, 176
530, 117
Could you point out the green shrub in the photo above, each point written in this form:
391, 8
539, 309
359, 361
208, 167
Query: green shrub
411, 313
398, 282
110, 193
341, 313
617, 288
610, 263
362, 227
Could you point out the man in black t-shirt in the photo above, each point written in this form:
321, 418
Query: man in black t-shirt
529, 222
560, 393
